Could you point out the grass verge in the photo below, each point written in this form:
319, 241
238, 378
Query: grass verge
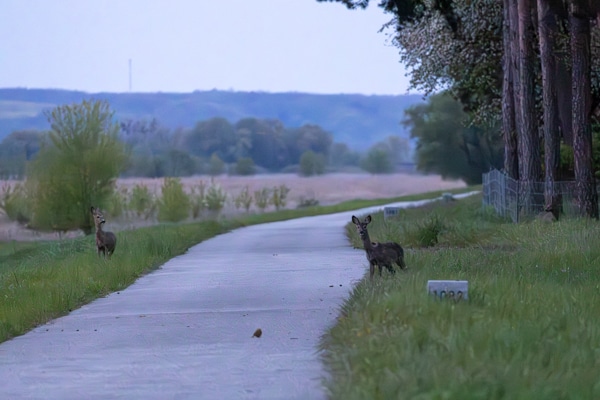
528, 331
44, 280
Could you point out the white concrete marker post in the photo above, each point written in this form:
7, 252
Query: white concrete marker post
391, 212
454, 290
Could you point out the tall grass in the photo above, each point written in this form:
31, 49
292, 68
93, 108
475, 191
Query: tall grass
528, 331
44, 280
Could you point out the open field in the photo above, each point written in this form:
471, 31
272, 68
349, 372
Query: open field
327, 189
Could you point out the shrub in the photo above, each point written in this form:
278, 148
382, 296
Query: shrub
215, 198
15, 203
305, 202
174, 204
426, 233
261, 198
245, 166
198, 199
312, 163
216, 166
142, 202
77, 167
244, 199
117, 203
279, 196
377, 161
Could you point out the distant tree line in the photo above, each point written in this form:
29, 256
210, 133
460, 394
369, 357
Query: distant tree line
216, 146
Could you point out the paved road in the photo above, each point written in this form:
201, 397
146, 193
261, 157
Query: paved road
184, 331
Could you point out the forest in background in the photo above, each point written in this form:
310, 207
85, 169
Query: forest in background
357, 120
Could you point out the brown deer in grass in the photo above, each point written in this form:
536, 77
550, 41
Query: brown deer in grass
105, 241
379, 254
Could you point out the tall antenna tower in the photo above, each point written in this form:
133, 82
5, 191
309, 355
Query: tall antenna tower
130, 75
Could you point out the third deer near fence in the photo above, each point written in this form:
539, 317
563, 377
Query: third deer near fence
379, 254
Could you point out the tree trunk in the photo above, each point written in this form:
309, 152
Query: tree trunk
529, 141
579, 19
548, 32
509, 128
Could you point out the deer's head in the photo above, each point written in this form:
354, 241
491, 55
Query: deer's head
361, 226
98, 216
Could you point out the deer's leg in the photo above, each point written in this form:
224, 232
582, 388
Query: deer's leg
371, 270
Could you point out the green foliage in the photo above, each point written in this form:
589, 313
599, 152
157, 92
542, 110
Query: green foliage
215, 198
213, 136
261, 198
15, 202
216, 166
180, 163
142, 201
305, 202
16, 150
377, 161
245, 166
341, 155
198, 199
349, 116
174, 203
77, 168
279, 196
118, 203
244, 199
425, 233
446, 147
312, 163
307, 138
264, 142
457, 47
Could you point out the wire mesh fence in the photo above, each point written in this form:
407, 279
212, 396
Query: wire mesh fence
517, 201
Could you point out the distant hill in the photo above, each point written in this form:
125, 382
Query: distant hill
356, 120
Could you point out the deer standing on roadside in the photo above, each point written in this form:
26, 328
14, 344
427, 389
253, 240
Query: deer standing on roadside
379, 254
105, 241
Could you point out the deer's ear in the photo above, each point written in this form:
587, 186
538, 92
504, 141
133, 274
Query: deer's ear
368, 219
355, 220
92, 209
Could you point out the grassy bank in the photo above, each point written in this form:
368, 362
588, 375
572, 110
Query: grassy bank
44, 280
528, 331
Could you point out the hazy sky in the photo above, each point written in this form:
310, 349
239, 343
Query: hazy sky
187, 45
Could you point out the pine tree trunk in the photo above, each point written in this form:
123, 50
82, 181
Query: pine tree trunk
547, 32
509, 128
579, 19
529, 141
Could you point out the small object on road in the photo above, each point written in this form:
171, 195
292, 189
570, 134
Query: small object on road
257, 333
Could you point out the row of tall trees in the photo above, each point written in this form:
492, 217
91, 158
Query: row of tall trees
216, 141
531, 67
216, 146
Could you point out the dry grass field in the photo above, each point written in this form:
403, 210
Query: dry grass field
327, 189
